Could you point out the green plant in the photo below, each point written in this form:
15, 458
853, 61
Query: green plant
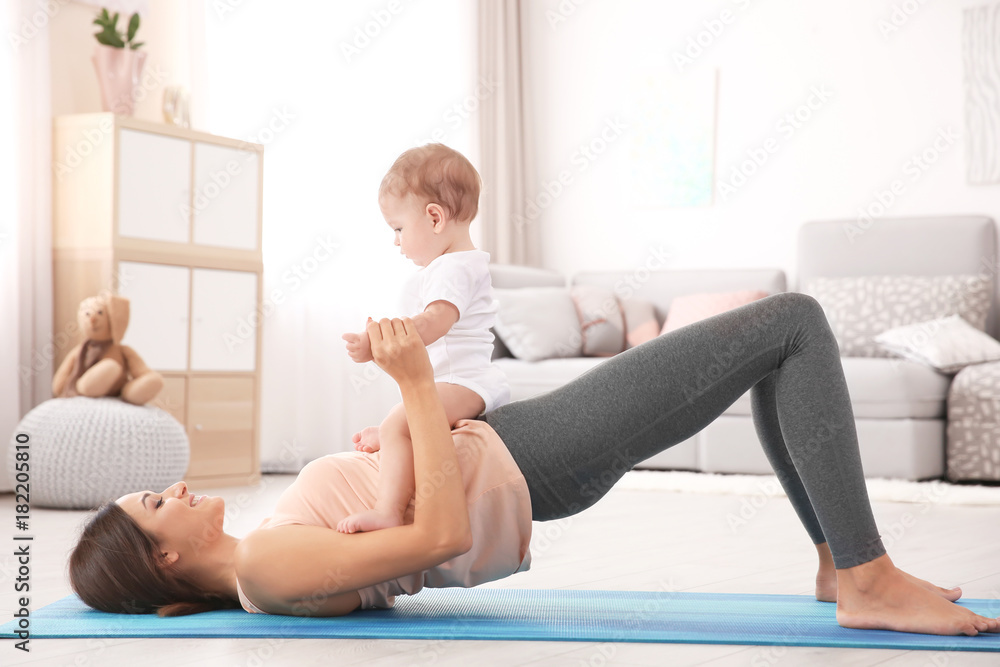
109, 35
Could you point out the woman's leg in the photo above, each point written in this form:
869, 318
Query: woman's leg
573, 444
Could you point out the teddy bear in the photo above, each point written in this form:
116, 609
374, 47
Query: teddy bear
101, 365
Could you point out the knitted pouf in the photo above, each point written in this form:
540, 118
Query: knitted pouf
83, 451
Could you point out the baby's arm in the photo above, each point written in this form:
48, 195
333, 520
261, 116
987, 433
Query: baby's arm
436, 320
433, 323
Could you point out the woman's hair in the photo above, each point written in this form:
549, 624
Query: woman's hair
439, 174
116, 567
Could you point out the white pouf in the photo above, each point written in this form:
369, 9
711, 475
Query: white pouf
84, 451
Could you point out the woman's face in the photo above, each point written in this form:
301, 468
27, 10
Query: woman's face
179, 521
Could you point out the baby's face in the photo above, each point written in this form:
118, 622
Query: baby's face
413, 228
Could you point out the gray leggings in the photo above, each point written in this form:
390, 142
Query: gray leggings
574, 443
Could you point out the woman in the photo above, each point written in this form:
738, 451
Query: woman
469, 521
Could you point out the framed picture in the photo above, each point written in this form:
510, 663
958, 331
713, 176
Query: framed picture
981, 60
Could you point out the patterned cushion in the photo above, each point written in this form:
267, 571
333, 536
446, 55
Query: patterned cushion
84, 451
861, 308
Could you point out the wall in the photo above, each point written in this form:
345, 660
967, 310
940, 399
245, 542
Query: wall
334, 100
890, 82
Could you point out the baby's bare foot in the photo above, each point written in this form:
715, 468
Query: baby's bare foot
366, 440
369, 520
877, 595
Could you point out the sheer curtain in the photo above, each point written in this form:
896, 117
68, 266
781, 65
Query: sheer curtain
335, 91
10, 391
510, 232
25, 214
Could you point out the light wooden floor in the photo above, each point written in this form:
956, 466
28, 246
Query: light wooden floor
631, 540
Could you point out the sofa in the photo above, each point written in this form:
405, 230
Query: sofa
900, 406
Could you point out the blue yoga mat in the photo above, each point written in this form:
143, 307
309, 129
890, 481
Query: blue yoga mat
539, 615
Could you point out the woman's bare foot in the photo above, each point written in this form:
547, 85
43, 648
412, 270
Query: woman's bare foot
949, 594
826, 587
826, 580
366, 440
879, 596
826, 577
369, 520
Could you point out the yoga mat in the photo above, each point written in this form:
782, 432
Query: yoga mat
522, 614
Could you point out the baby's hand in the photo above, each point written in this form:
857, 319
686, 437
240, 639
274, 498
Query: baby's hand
359, 346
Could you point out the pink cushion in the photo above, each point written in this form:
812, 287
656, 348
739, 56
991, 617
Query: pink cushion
691, 308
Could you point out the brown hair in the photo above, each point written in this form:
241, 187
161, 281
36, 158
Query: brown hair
115, 568
436, 174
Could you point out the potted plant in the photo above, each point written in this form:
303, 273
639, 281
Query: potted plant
118, 62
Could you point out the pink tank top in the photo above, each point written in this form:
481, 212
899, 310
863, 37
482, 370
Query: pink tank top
334, 486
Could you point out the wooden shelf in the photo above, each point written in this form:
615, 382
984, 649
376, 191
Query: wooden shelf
139, 242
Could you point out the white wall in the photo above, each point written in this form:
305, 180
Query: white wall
340, 90
890, 93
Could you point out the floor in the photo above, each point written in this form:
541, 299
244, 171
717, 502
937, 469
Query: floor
631, 540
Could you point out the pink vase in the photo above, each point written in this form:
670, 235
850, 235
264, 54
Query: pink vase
118, 73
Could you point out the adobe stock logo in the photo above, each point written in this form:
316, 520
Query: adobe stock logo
914, 168
787, 126
586, 154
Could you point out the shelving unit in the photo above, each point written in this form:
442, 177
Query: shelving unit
171, 219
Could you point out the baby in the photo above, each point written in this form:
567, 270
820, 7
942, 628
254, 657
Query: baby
429, 197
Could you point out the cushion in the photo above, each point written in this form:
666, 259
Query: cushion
860, 308
947, 344
691, 308
640, 321
538, 322
85, 451
602, 323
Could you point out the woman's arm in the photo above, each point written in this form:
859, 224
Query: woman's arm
294, 569
439, 504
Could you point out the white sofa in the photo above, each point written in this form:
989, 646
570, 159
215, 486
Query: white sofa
899, 406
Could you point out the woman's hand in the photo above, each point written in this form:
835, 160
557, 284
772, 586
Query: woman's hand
399, 351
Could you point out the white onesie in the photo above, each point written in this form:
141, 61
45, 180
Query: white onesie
463, 355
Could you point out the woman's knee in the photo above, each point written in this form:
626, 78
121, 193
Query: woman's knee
801, 303
805, 312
